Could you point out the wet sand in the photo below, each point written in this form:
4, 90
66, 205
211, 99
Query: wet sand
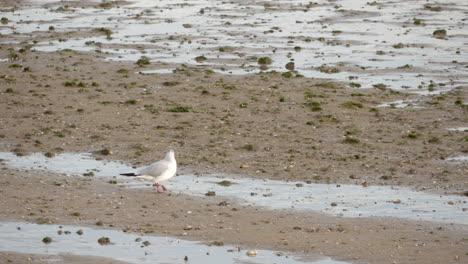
47, 198
43, 115
261, 125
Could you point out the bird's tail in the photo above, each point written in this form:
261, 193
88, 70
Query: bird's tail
129, 174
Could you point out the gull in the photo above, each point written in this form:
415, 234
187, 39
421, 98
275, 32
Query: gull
157, 172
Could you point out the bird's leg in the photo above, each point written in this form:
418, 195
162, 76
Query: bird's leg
157, 187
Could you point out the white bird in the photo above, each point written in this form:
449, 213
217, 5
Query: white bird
157, 172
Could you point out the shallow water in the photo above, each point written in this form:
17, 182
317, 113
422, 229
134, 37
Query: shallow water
352, 35
27, 238
401, 104
463, 158
341, 200
337, 199
67, 163
461, 129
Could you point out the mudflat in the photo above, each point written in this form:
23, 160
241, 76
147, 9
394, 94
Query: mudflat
270, 125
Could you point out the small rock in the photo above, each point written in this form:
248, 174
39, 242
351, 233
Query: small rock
386, 177
210, 193
333, 204
252, 253
47, 240
265, 60
138, 239
440, 33
223, 203
104, 241
397, 201
80, 232
290, 66
185, 258
105, 151
200, 58
49, 154
299, 185
146, 243
188, 228
225, 183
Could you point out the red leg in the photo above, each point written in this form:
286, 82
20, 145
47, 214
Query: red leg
157, 187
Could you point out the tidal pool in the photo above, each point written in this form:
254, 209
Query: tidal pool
401, 104
131, 248
336, 199
462, 158
460, 129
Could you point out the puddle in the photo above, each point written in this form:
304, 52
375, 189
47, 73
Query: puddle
463, 158
354, 36
67, 163
462, 129
158, 71
340, 200
27, 238
400, 104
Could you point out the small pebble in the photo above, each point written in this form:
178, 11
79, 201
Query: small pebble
104, 240
252, 253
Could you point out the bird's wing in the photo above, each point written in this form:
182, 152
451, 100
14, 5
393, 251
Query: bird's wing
145, 178
155, 169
